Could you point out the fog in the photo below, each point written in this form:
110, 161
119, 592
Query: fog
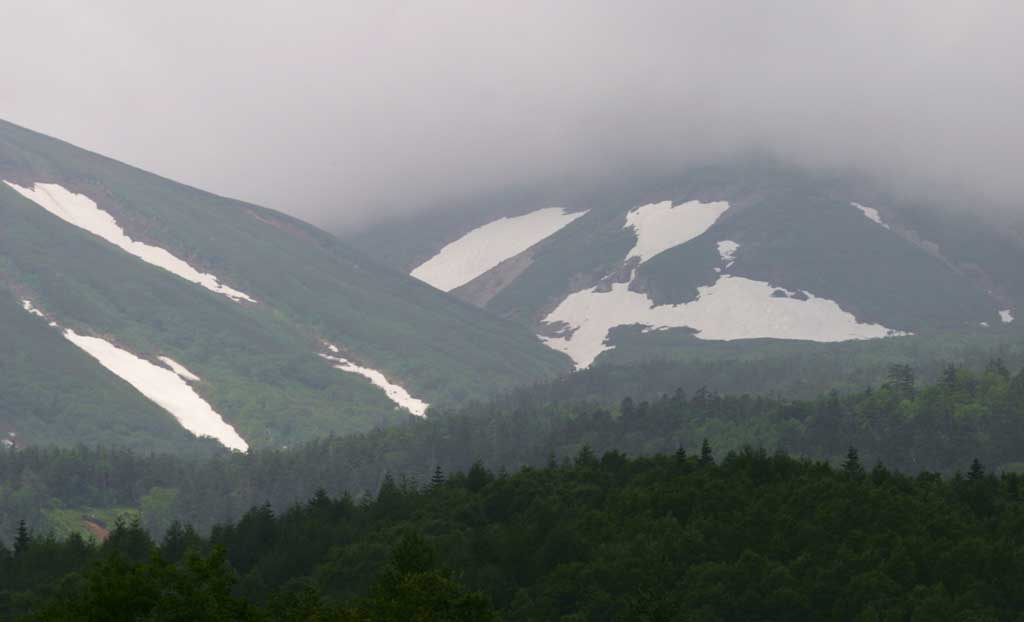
349, 113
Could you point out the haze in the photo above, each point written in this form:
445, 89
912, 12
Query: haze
347, 113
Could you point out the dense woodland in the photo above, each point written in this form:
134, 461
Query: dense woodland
670, 537
938, 427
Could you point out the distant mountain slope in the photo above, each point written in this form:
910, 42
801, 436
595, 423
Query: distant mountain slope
740, 252
257, 306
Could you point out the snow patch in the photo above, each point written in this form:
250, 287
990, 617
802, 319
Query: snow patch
179, 369
1006, 315
165, 388
871, 214
28, 306
732, 308
395, 393
487, 246
82, 212
727, 250
661, 226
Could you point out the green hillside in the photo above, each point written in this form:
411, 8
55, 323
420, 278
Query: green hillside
259, 363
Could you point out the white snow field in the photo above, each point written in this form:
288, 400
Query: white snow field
179, 369
732, 308
395, 393
82, 212
163, 387
487, 246
870, 213
1006, 315
661, 226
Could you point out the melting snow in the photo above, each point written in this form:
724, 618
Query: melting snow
395, 393
166, 388
179, 369
28, 306
81, 211
727, 250
661, 226
487, 246
732, 308
1006, 315
870, 213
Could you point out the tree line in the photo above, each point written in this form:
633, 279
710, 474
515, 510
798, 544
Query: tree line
937, 427
748, 535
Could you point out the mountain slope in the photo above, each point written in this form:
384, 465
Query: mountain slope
745, 251
247, 300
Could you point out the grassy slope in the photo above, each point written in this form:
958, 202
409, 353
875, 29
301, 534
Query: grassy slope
259, 361
53, 392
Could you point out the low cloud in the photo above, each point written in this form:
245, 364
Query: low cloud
346, 113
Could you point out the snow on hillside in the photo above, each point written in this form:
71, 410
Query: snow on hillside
81, 211
871, 214
1006, 315
661, 226
487, 246
179, 369
28, 306
732, 308
727, 251
395, 393
165, 388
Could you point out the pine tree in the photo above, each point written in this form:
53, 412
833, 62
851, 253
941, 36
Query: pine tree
977, 471
706, 456
681, 455
586, 457
437, 478
23, 539
852, 466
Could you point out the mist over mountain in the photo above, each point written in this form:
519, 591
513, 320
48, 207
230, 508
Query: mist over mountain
347, 114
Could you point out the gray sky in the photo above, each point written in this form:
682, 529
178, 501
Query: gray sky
341, 112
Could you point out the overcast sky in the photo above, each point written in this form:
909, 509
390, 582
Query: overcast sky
339, 112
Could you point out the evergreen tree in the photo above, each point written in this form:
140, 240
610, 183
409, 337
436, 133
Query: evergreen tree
23, 539
977, 471
681, 455
706, 455
437, 479
852, 466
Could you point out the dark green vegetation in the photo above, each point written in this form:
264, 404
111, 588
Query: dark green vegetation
910, 426
258, 362
48, 385
931, 272
669, 537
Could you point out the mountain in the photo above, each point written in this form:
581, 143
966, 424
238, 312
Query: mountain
138, 311
744, 252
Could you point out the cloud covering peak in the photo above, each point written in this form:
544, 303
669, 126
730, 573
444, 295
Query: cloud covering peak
345, 112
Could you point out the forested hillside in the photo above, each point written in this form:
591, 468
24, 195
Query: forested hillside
603, 538
910, 426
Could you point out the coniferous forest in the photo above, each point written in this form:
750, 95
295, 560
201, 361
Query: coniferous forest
899, 502
745, 536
